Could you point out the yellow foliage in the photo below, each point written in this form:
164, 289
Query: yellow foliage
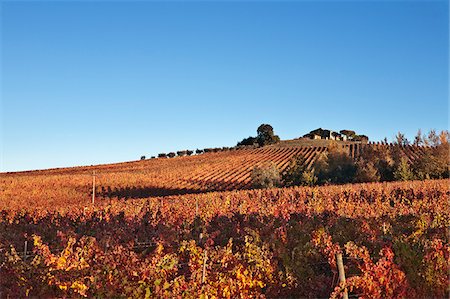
79, 288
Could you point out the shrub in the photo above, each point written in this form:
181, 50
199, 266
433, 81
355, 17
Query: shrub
142, 158
171, 154
162, 155
308, 178
266, 176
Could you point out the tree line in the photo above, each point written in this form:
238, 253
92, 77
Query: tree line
374, 164
265, 136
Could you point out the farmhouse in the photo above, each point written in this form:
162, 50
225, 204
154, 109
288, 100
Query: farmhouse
325, 134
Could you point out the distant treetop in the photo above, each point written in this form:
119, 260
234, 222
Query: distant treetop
265, 136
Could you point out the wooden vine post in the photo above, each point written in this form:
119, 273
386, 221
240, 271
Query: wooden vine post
93, 187
204, 267
25, 249
340, 266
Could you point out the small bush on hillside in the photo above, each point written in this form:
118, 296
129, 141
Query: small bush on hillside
171, 154
308, 178
162, 155
266, 176
142, 157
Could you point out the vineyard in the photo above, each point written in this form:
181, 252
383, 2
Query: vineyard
272, 243
221, 171
192, 227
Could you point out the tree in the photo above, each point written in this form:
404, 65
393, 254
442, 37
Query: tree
433, 138
181, 153
349, 133
400, 139
381, 158
248, 141
366, 172
434, 162
363, 138
298, 174
336, 166
418, 139
266, 176
444, 137
403, 171
266, 135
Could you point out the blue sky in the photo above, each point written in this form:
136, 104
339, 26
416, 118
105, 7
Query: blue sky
97, 82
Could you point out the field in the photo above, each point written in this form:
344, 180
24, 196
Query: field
221, 171
155, 231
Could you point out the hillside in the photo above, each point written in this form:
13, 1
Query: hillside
220, 171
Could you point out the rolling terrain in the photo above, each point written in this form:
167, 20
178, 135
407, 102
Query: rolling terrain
184, 227
216, 171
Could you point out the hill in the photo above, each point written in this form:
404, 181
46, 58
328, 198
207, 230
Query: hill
260, 243
215, 171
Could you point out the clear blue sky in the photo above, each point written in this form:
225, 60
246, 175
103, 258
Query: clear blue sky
86, 83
